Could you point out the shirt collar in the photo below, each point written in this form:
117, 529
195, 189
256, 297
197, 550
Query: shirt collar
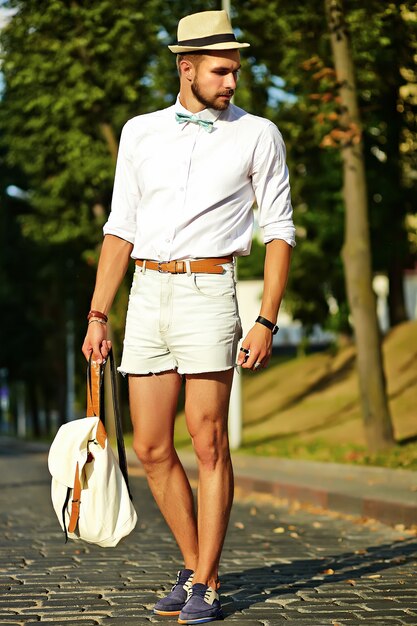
208, 115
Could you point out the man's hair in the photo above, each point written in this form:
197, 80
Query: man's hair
194, 57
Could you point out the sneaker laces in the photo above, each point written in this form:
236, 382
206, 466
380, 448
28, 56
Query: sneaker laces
201, 590
182, 578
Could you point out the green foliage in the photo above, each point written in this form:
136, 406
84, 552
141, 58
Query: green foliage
73, 76
252, 266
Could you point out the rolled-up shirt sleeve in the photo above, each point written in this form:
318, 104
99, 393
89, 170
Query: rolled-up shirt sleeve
126, 194
271, 184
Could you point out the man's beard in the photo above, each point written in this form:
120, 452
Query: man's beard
212, 103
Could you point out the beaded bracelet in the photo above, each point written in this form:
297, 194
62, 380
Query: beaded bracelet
97, 320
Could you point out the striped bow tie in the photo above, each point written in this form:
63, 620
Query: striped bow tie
182, 118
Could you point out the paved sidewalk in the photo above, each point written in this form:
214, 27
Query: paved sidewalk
387, 495
280, 566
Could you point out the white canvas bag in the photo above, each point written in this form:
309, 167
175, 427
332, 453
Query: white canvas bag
89, 490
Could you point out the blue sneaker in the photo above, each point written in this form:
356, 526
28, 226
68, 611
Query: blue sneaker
203, 606
178, 596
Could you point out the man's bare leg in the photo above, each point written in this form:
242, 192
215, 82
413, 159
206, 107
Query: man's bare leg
153, 405
206, 409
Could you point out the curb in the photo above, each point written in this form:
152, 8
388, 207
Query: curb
386, 495
391, 513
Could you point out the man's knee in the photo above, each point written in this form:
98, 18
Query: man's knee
211, 445
153, 454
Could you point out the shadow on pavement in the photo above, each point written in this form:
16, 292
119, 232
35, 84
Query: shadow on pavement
252, 586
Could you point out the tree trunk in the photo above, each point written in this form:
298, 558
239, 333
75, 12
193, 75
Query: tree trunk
356, 250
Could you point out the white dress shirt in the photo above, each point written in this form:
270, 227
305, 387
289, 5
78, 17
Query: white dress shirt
182, 192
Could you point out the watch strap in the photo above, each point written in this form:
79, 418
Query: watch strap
272, 327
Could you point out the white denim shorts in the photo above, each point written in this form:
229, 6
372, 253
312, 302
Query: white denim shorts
184, 322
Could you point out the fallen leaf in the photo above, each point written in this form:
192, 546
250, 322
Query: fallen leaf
317, 524
292, 527
373, 576
239, 525
294, 535
351, 582
254, 511
329, 571
279, 530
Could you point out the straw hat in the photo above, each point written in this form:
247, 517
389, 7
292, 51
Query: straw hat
209, 30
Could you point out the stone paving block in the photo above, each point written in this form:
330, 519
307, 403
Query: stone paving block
127, 621
60, 622
360, 622
267, 578
314, 620
13, 602
13, 618
263, 622
322, 611
69, 601
381, 615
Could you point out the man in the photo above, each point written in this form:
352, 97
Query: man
186, 179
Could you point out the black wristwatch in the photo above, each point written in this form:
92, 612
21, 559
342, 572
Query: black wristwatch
262, 320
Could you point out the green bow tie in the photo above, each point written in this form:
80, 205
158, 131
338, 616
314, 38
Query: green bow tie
182, 118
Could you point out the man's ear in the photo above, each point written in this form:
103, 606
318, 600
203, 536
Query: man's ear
187, 69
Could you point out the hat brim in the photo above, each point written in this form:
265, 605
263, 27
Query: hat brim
228, 45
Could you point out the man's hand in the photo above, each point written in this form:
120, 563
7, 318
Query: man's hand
259, 343
95, 342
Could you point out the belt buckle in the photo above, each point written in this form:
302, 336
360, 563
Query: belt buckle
160, 268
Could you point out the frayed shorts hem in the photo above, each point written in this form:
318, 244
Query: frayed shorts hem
175, 369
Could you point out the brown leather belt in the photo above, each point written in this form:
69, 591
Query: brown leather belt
201, 266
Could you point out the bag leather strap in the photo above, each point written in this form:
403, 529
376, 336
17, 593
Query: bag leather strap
75, 502
95, 408
95, 388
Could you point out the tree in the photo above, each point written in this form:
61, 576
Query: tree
356, 250
289, 40
73, 74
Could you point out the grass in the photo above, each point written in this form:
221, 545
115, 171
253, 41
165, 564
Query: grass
400, 456
308, 407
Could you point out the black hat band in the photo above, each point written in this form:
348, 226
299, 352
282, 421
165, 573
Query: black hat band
208, 41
